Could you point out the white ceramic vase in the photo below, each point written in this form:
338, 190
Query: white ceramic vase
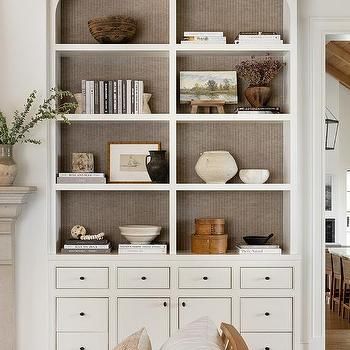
216, 167
146, 108
79, 97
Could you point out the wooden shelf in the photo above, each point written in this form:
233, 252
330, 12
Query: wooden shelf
117, 117
233, 187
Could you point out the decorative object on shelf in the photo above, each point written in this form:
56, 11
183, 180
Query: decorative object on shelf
258, 38
254, 176
97, 236
207, 38
259, 74
79, 97
127, 161
221, 85
257, 240
209, 244
19, 129
146, 108
78, 231
207, 105
332, 126
216, 167
140, 234
210, 226
112, 29
158, 167
82, 163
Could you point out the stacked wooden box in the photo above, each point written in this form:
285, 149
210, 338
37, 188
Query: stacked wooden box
210, 237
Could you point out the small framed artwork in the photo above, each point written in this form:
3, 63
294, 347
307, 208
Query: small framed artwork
220, 85
329, 192
127, 161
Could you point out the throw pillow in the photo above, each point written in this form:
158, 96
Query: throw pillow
136, 341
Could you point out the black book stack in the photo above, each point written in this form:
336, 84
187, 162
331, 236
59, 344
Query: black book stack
94, 246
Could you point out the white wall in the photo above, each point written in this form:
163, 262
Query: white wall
23, 68
338, 160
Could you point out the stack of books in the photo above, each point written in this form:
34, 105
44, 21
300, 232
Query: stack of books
95, 246
258, 38
259, 249
257, 110
81, 178
213, 38
142, 249
112, 96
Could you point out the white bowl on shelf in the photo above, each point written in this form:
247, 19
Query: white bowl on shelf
254, 176
140, 234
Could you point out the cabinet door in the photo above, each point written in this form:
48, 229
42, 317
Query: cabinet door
151, 313
217, 309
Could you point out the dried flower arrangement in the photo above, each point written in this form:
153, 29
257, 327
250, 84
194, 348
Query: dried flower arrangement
18, 131
259, 72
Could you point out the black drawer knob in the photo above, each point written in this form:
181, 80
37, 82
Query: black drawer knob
143, 278
205, 278
82, 314
267, 314
267, 278
183, 304
82, 348
82, 278
165, 304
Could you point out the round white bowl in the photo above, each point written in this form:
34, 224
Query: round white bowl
254, 176
140, 234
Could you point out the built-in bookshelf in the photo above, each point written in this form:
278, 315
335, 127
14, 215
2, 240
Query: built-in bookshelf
156, 57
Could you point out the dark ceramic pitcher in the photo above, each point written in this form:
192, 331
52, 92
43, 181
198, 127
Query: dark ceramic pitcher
157, 167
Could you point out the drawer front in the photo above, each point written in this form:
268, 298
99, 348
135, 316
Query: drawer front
264, 278
269, 341
147, 277
86, 341
205, 277
82, 277
266, 315
82, 315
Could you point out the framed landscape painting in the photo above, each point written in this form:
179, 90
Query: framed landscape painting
127, 161
221, 85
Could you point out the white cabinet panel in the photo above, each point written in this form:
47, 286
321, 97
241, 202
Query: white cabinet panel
82, 314
205, 277
143, 277
151, 313
217, 309
82, 278
266, 315
269, 341
82, 341
266, 278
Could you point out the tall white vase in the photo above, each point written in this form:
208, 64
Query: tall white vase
216, 167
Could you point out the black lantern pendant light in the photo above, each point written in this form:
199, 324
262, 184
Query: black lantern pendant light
332, 125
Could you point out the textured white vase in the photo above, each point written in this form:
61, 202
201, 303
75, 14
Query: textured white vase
146, 98
216, 167
79, 97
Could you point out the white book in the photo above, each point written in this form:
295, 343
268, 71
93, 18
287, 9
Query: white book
102, 96
258, 36
81, 180
246, 246
203, 42
87, 246
205, 38
203, 33
81, 174
115, 97
136, 97
259, 42
92, 97
87, 97
83, 91
128, 96
260, 251
142, 249
141, 92
120, 97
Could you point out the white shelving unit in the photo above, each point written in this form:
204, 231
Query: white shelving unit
280, 196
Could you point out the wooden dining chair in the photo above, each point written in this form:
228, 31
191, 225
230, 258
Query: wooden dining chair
231, 338
329, 280
337, 284
346, 288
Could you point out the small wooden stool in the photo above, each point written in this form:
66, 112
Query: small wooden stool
207, 104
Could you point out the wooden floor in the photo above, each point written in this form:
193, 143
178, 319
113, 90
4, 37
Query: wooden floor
337, 331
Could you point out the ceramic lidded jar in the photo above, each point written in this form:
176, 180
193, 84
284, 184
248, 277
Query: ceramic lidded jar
216, 167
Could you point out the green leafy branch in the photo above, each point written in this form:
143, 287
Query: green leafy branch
52, 107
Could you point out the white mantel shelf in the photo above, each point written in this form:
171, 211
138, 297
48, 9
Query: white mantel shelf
12, 199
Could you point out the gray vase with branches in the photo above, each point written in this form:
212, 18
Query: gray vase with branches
18, 131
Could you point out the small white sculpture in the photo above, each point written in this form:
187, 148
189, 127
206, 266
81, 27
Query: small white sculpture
78, 231
146, 108
98, 236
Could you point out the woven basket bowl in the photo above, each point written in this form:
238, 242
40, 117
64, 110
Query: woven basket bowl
112, 29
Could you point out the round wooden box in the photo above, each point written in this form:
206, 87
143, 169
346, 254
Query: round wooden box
209, 244
206, 226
